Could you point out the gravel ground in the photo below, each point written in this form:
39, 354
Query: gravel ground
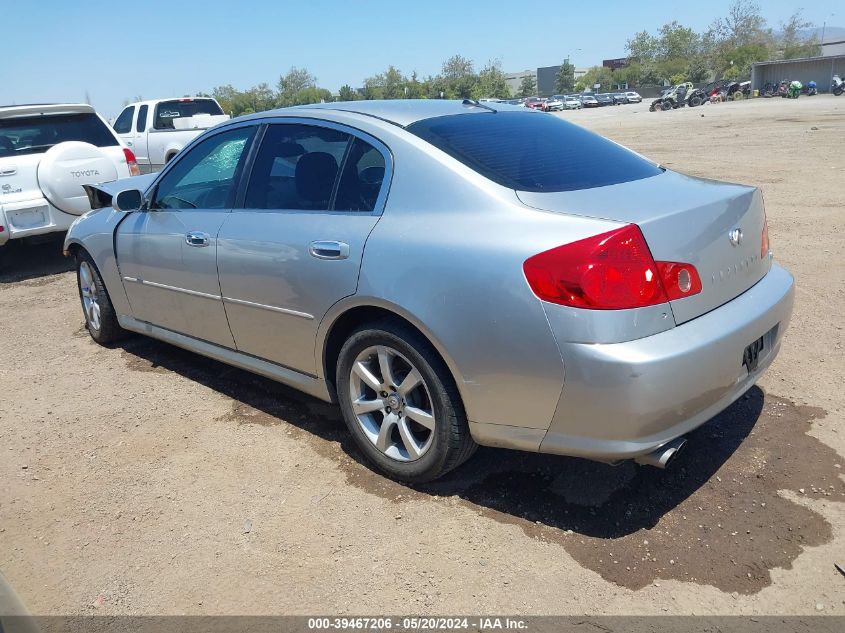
147, 480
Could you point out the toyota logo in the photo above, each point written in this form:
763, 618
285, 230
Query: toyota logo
735, 236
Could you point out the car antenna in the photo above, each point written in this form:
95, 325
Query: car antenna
477, 104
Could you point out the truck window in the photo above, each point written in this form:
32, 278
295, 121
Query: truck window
123, 124
166, 111
141, 125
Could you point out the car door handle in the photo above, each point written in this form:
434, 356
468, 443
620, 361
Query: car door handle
328, 249
197, 238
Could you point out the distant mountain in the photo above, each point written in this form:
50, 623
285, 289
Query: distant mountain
831, 33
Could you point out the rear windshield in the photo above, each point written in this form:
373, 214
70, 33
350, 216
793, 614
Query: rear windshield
533, 151
166, 111
37, 134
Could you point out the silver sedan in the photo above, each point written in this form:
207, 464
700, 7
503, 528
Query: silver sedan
451, 274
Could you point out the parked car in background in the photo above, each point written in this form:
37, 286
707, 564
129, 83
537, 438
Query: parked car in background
156, 130
552, 104
47, 153
572, 102
604, 99
535, 103
633, 97
619, 98
295, 243
589, 101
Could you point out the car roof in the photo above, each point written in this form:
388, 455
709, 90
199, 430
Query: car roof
402, 112
43, 108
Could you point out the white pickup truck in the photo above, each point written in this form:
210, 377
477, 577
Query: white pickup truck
157, 130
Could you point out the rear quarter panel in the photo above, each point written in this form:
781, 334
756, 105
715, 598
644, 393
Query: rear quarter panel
448, 255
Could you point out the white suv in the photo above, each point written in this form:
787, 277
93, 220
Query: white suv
47, 154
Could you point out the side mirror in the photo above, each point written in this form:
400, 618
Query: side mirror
128, 201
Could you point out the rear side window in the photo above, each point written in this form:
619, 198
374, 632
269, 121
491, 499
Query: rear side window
123, 124
166, 111
37, 134
296, 168
532, 151
361, 180
141, 124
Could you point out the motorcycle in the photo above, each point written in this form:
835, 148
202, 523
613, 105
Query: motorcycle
838, 86
794, 90
810, 89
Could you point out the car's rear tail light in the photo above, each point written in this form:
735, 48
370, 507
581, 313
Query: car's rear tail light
679, 280
134, 170
764, 242
610, 271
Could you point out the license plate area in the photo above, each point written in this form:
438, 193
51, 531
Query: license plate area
28, 218
751, 354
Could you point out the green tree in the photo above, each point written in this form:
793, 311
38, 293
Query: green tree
459, 77
643, 47
791, 43
346, 93
528, 86
565, 78
491, 82
596, 75
292, 84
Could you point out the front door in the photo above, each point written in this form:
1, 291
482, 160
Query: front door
167, 254
295, 248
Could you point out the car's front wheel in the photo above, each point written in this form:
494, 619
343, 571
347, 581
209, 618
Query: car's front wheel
401, 404
100, 317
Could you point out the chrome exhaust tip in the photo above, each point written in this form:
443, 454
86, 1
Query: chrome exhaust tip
663, 456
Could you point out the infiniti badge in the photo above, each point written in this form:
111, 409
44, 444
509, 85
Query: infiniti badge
735, 236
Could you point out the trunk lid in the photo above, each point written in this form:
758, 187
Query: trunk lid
683, 219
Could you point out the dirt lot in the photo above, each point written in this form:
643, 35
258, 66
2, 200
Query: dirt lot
144, 479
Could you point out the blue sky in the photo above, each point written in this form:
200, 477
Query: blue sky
55, 50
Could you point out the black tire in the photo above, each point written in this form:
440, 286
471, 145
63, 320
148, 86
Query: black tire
694, 102
451, 443
838, 91
107, 330
666, 106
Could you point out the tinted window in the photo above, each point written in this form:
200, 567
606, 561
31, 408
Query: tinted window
204, 177
533, 152
123, 124
296, 168
166, 111
141, 125
37, 134
360, 182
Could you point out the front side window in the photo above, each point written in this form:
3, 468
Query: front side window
167, 111
296, 168
205, 177
123, 124
533, 152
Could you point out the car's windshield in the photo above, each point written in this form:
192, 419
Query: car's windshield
166, 111
533, 151
36, 134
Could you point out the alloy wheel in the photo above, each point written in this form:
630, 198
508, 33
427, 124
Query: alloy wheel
90, 300
392, 403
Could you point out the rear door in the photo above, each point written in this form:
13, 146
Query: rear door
139, 139
167, 254
314, 194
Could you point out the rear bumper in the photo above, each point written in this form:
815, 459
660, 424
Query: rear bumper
26, 218
622, 400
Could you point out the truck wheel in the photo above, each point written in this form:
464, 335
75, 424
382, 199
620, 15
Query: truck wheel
401, 404
100, 317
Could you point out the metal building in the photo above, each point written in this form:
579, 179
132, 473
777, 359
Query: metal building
818, 69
